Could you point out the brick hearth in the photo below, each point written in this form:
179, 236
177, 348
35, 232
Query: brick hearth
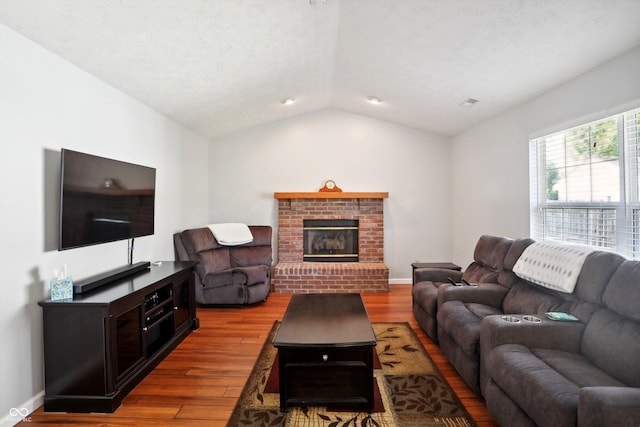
293, 275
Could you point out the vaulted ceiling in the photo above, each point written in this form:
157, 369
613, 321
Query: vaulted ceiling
220, 66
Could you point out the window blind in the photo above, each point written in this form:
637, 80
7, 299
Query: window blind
584, 185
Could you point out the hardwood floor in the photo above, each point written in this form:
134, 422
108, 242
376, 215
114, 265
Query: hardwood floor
199, 382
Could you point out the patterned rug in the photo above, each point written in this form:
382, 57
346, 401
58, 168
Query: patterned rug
411, 391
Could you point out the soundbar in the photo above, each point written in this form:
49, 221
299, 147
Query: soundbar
101, 279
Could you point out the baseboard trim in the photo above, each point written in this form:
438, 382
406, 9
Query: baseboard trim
17, 414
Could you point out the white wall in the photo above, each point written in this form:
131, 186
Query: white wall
491, 188
46, 104
360, 154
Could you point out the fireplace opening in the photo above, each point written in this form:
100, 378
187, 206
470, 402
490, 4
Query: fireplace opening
330, 240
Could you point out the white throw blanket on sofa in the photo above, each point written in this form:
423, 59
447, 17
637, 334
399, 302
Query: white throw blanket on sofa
231, 233
554, 265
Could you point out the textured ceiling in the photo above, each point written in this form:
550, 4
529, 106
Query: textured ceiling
219, 66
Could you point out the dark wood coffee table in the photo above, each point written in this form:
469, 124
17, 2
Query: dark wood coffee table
325, 349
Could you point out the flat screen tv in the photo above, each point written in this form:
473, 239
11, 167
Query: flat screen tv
104, 200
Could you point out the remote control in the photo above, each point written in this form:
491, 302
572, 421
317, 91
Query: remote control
453, 282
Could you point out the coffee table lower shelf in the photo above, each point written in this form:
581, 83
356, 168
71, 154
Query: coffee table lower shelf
331, 376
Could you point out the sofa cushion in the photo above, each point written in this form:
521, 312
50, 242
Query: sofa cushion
199, 239
461, 322
491, 250
506, 276
242, 256
623, 293
515, 252
575, 368
598, 269
261, 235
488, 257
479, 273
526, 298
612, 343
541, 381
213, 261
542, 393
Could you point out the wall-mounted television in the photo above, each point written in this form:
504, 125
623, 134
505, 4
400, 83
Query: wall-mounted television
103, 200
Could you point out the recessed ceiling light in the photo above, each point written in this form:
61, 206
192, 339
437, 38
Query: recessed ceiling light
288, 101
374, 100
468, 103
314, 2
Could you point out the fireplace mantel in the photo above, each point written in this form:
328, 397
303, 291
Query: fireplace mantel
331, 195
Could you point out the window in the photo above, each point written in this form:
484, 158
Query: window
585, 184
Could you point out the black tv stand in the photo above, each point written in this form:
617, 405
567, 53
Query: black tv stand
99, 345
101, 279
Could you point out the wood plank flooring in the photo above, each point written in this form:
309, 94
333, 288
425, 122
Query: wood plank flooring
199, 382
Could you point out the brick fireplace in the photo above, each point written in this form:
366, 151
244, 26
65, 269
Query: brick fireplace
293, 275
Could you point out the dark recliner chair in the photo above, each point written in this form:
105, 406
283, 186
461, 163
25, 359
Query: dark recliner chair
228, 275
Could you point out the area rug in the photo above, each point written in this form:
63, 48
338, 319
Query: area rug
410, 390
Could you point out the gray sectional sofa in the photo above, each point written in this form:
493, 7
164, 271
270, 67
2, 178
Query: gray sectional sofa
584, 373
541, 372
488, 257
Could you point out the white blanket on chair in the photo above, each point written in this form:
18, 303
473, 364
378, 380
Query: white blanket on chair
231, 233
554, 265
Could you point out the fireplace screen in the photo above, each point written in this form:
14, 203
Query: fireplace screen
330, 240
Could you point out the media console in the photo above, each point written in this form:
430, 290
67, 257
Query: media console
99, 345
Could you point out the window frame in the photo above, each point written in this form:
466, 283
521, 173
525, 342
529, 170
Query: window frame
625, 237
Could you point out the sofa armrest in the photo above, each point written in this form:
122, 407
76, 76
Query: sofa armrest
490, 294
427, 274
254, 274
609, 406
557, 335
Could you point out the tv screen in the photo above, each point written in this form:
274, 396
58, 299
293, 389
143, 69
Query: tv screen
104, 200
